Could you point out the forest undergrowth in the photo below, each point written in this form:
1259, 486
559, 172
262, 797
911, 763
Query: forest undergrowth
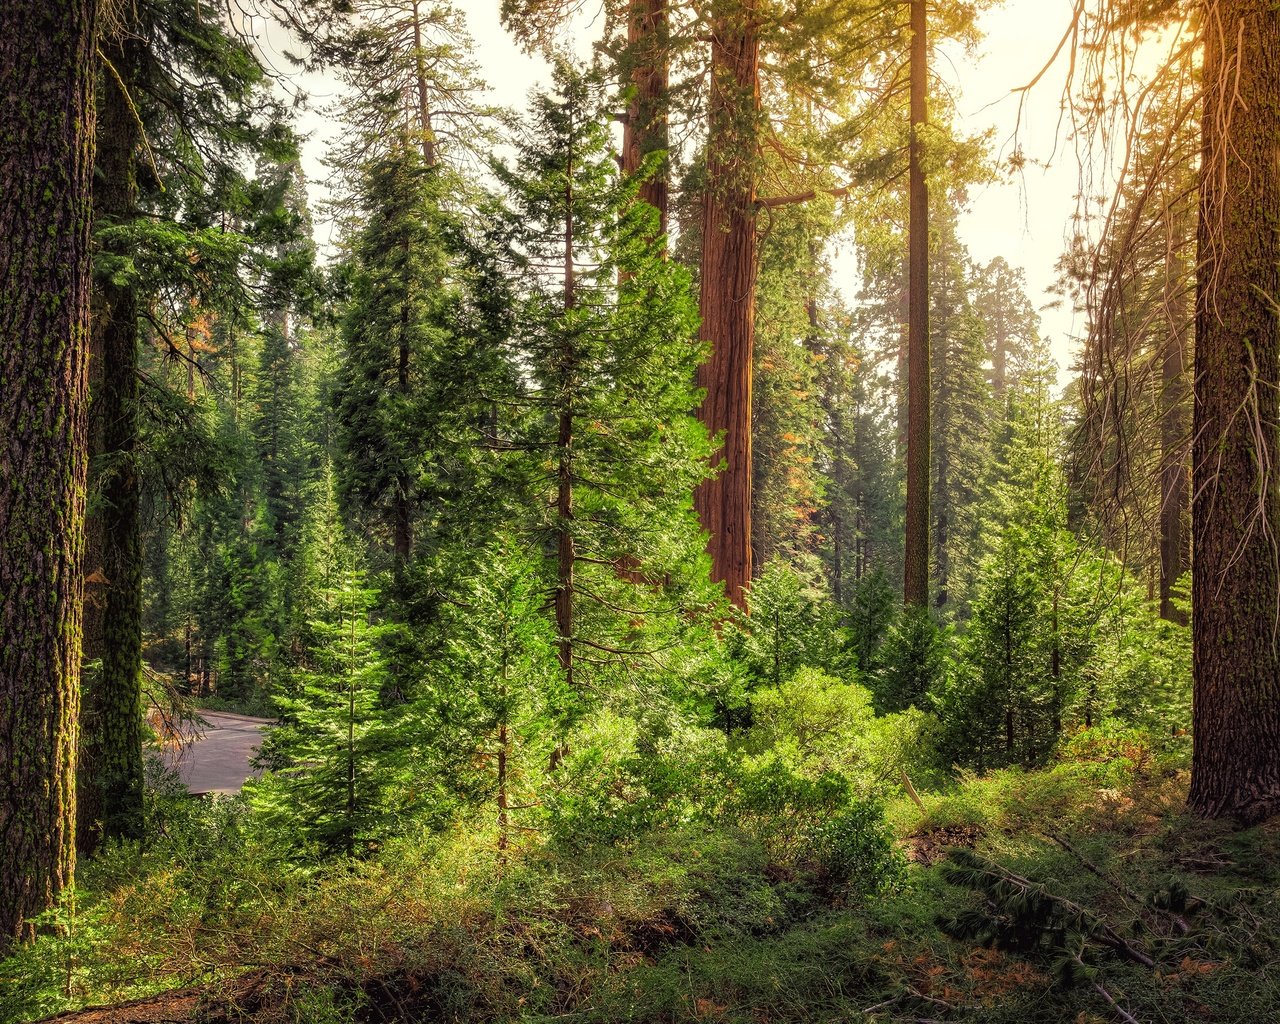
1080, 891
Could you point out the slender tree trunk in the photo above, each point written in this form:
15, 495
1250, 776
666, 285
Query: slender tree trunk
1055, 662
191, 360
46, 161
645, 129
915, 575
941, 489
728, 289
566, 555
424, 96
1236, 453
1008, 682
830, 402
109, 793
1173, 452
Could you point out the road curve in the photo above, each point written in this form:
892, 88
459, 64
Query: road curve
215, 757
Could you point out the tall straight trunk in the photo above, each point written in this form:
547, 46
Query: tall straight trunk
566, 554
644, 130
46, 153
728, 290
1236, 453
915, 572
428, 136
1173, 473
504, 757
109, 786
402, 505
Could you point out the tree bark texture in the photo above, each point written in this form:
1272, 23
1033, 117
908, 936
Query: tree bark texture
644, 130
1236, 504
109, 786
728, 290
1174, 431
46, 165
915, 575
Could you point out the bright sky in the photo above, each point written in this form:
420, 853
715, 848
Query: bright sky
1025, 220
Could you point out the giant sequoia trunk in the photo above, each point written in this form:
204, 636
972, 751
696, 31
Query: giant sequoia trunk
728, 290
1236, 452
109, 788
644, 130
46, 161
915, 574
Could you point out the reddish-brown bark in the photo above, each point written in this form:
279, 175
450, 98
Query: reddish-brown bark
728, 289
644, 130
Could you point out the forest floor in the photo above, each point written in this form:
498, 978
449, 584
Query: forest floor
1090, 899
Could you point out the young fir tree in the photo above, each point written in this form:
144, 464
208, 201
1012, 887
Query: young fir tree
1009, 706
605, 326
962, 419
336, 752
489, 701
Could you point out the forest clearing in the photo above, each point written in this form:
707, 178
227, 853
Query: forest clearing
642, 552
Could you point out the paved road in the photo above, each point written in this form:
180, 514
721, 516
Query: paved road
218, 760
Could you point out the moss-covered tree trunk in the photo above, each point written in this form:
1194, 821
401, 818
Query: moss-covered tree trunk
46, 165
1236, 451
728, 272
109, 789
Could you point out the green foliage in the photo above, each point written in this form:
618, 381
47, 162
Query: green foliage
791, 623
333, 783
915, 661
872, 609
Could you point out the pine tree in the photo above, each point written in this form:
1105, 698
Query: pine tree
1010, 706
915, 573
1132, 442
390, 330
498, 685
962, 417
332, 777
606, 438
